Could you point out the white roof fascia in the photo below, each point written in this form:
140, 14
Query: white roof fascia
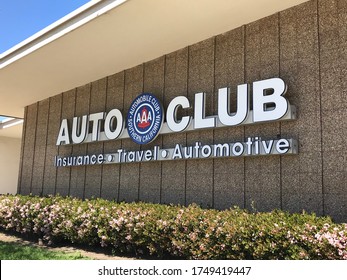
70, 22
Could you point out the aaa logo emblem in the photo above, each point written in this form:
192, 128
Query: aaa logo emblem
145, 118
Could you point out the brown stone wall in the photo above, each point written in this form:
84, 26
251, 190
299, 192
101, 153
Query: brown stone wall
305, 45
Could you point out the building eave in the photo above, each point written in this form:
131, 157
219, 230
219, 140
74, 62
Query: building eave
105, 37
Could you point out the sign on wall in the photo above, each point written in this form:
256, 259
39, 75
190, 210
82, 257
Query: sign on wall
145, 121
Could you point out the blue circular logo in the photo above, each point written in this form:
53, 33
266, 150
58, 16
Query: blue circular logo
145, 118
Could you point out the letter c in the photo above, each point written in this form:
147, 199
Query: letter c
171, 114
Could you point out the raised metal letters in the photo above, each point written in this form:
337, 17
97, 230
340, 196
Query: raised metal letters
269, 104
252, 147
171, 114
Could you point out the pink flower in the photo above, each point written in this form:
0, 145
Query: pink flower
128, 237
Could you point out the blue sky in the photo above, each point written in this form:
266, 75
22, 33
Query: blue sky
19, 19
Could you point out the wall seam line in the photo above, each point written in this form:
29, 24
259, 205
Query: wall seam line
140, 165
185, 161
58, 150
244, 128
20, 173
46, 140
57, 147
162, 137
121, 141
213, 106
32, 165
280, 125
103, 143
70, 171
320, 105
85, 167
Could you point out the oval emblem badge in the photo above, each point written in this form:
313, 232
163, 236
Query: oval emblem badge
145, 118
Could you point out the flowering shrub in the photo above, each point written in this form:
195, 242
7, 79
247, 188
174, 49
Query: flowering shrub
183, 232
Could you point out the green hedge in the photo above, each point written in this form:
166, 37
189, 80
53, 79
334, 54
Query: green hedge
183, 232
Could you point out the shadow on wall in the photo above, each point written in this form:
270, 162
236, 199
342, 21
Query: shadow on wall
9, 164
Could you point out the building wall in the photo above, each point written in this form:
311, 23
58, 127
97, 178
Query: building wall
306, 46
9, 163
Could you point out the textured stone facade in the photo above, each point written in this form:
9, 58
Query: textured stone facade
306, 46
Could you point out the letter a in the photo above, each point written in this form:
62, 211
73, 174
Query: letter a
63, 136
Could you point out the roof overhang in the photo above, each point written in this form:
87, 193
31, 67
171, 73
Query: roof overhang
105, 37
